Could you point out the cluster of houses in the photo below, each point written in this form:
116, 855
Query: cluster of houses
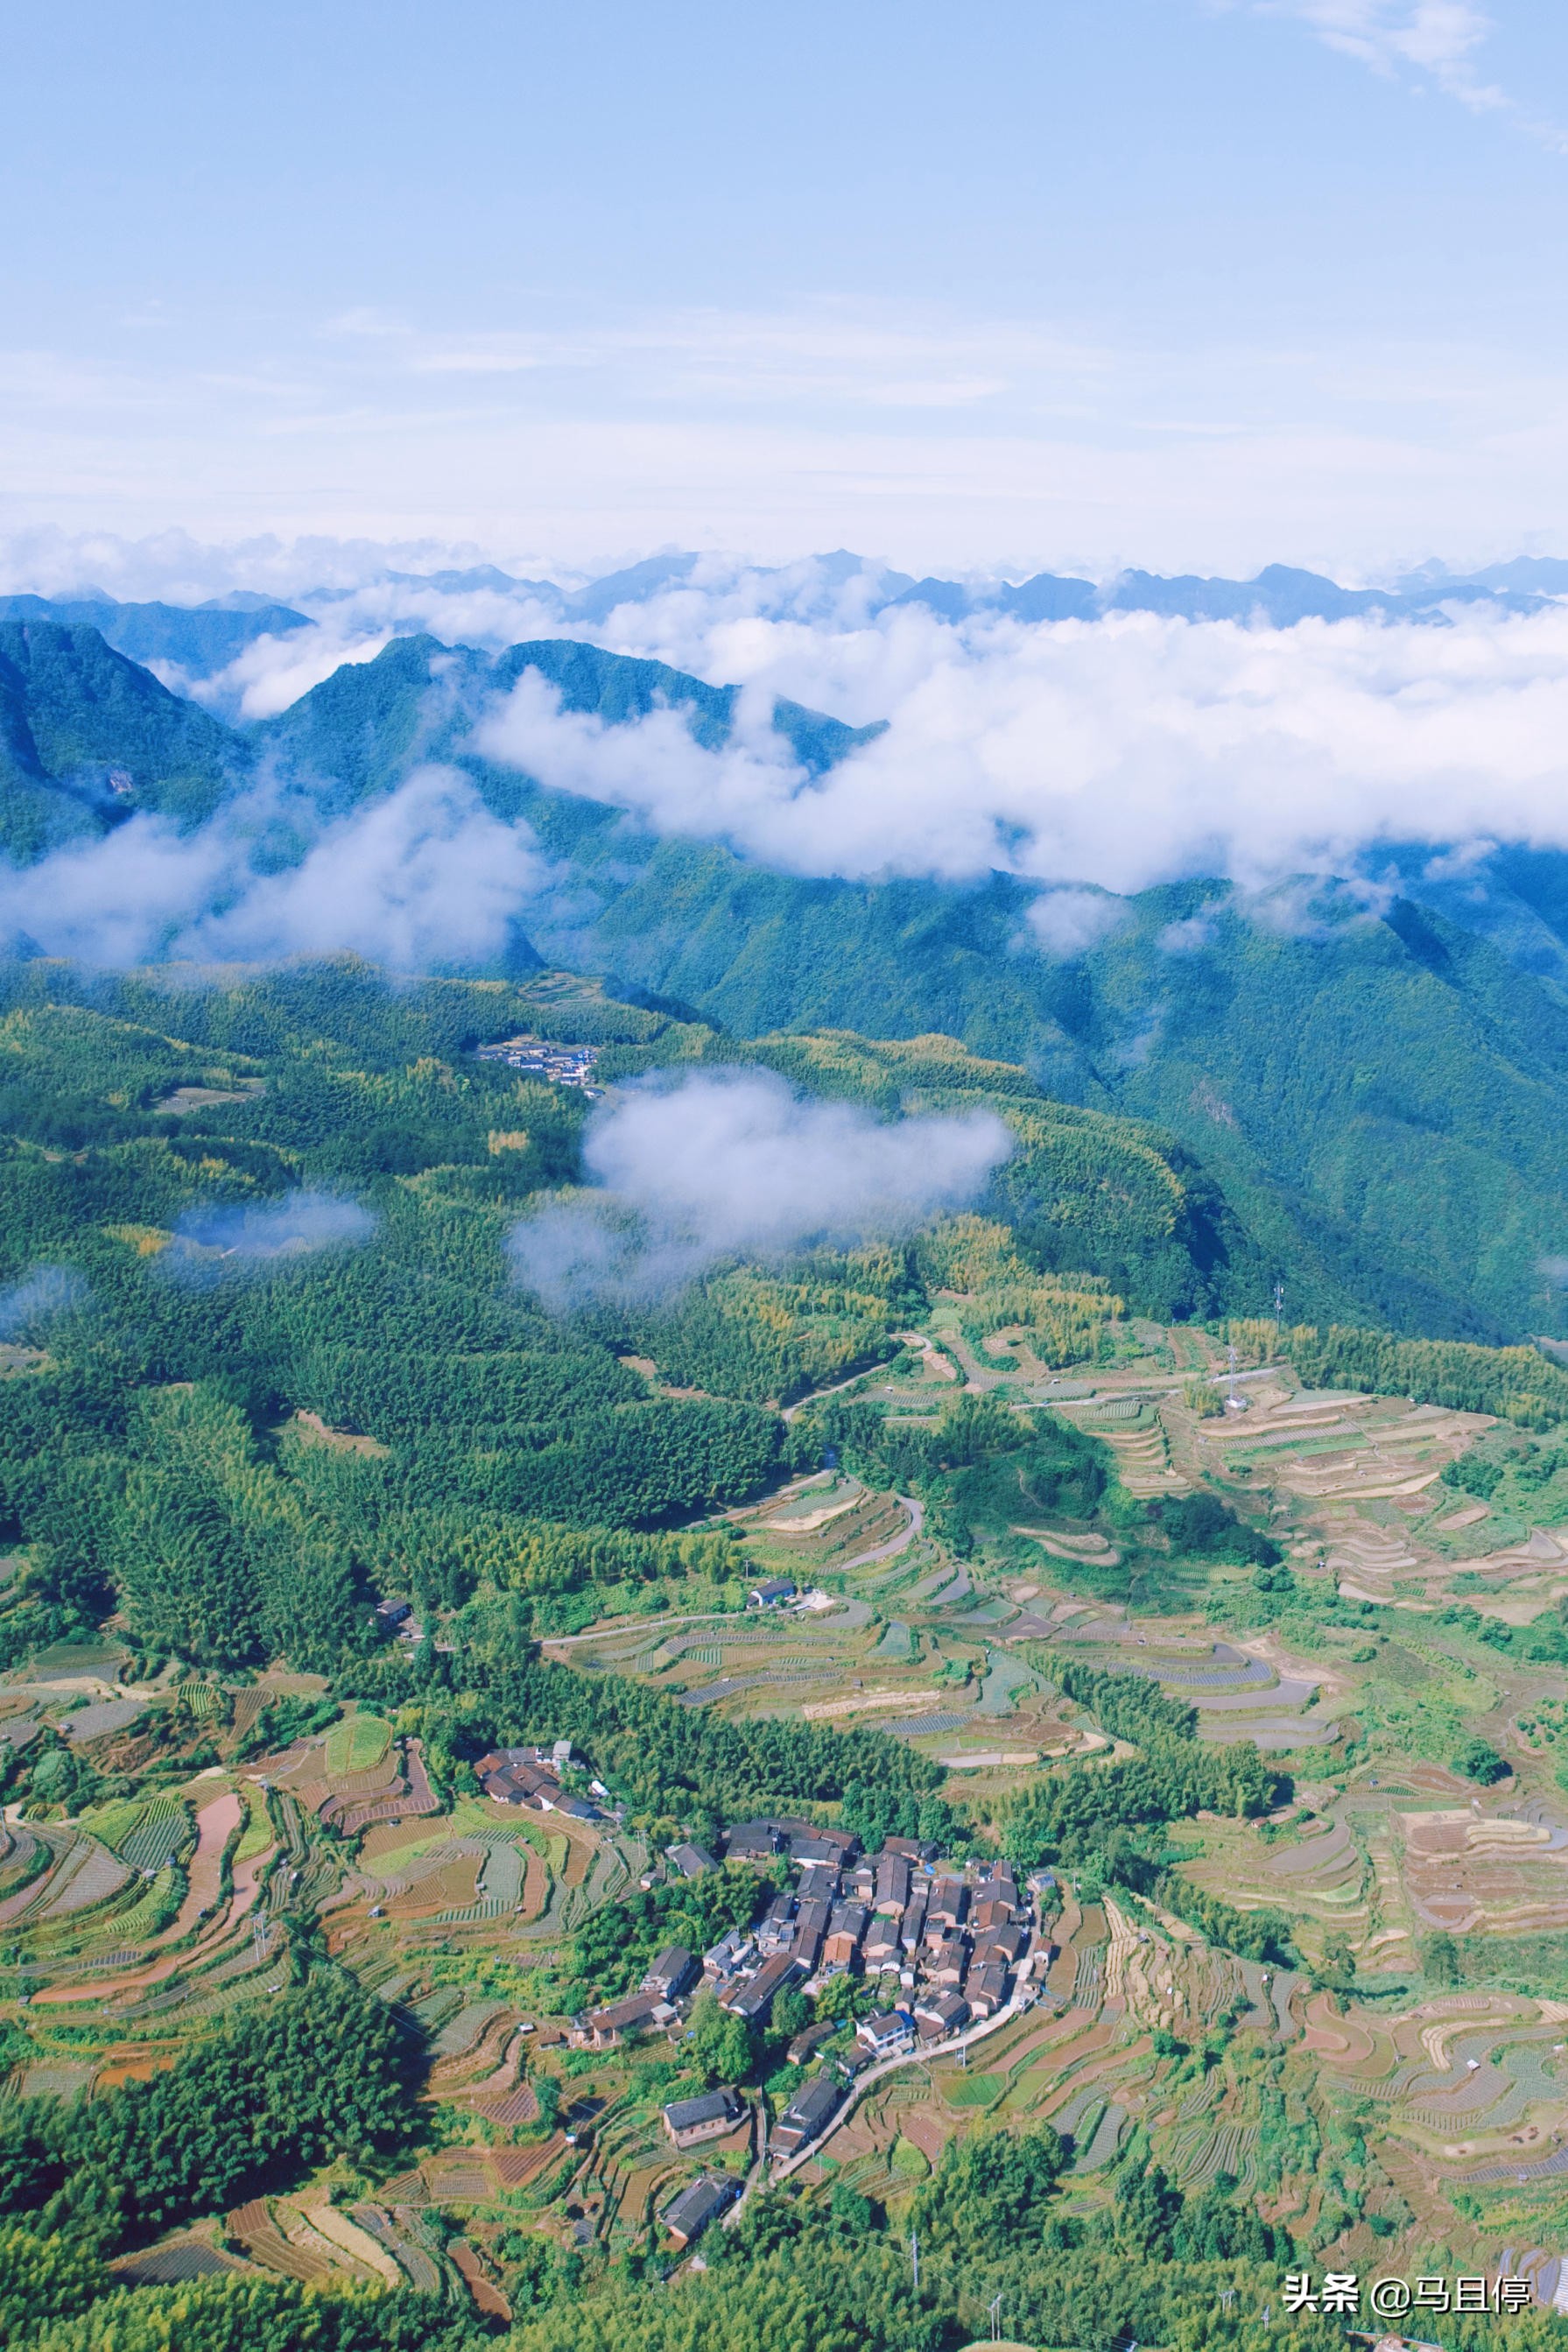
532, 1775
946, 1948
564, 1066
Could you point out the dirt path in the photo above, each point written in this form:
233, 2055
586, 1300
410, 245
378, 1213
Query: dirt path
890, 1550
215, 1824
791, 1410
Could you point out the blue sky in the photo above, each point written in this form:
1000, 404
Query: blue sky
1080, 282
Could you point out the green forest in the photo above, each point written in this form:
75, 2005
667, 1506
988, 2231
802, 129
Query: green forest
259, 1232
272, 1364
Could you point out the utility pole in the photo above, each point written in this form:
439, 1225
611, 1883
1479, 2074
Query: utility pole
914, 2258
1230, 1356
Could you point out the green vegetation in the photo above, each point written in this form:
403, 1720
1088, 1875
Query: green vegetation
259, 2102
1109, 1820
196, 637
1477, 1761
1517, 1383
153, 1455
1515, 1473
683, 1763
70, 712
991, 2221
981, 1467
247, 2313
1095, 1207
1202, 1525
226, 1460
611, 1953
244, 1454
357, 1744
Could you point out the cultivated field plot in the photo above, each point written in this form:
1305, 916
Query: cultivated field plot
1380, 2049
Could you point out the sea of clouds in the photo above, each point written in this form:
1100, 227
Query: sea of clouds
1086, 757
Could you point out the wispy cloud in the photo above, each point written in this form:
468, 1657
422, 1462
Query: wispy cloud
940, 438
211, 1243
1439, 38
830, 351
1437, 41
28, 1306
1066, 923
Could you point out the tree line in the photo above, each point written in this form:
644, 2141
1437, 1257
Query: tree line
1517, 1383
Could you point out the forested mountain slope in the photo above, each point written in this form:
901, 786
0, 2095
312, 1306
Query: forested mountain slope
277, 1210
311, 1500
1390, 1088
262, 1230
197, 638
81, 727
1383, 1083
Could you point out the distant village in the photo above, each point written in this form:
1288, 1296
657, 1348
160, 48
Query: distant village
947, 1948
538, 1057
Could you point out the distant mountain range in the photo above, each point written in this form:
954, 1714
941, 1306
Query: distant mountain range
1278, 595
200, 640
1383, 1099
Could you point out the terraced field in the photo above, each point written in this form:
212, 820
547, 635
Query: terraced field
1422, 2019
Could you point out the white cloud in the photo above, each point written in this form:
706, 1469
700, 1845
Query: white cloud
1117, 753
1087, 759
733, 1162
272, 672
937, 435
1067, 923
28, 1306
425, 876
1437, 41
1185, 937
261, 1237
653, 767
1438, 37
